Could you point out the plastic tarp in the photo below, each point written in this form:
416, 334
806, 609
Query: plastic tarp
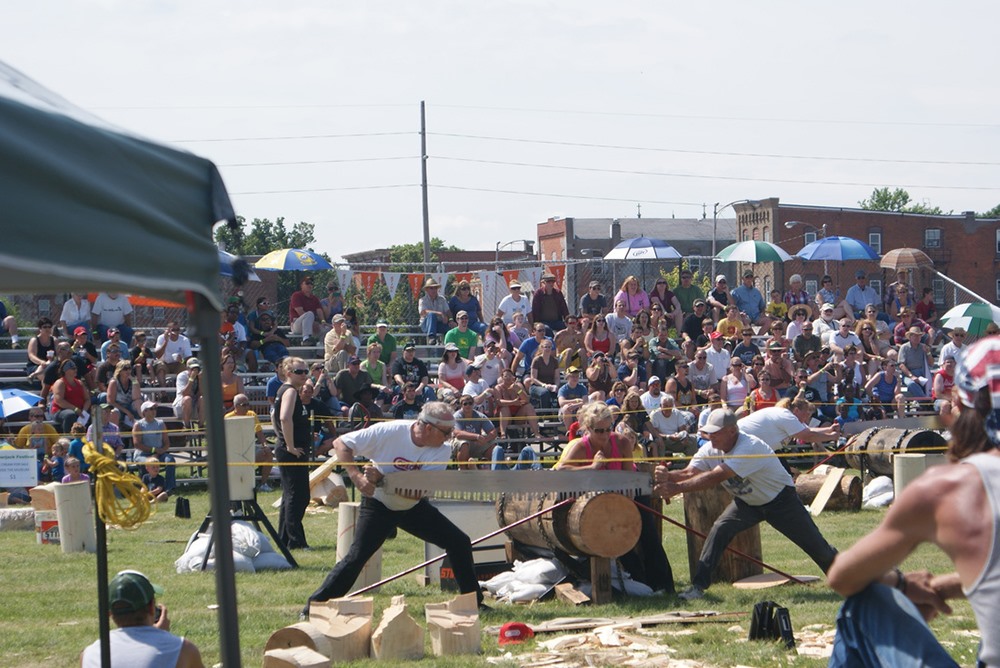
86, 205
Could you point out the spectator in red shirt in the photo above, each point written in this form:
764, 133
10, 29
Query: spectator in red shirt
925, 308
305, 312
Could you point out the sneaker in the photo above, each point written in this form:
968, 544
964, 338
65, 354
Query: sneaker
264, 487
692, 594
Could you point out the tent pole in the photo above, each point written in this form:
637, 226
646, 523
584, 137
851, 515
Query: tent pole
206, 326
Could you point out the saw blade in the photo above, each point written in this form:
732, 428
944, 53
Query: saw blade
485, 485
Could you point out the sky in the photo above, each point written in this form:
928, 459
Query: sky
535, 109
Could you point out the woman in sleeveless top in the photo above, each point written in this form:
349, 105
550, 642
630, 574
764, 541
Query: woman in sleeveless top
764, 396
885, 387
232, 383
69, 398
635, 297
39, 348
123, 393
598, 339
291, 426
602, 448
682, 388
736, 385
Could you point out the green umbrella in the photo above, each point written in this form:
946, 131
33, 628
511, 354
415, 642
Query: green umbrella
973, 318
753, 251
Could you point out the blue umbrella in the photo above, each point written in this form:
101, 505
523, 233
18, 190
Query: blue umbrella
226, 261
287, 259
837, 249
643, 248
15, 401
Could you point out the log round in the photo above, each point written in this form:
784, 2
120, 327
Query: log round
598, 525
847, 496
701, 509
302, 634
879, 443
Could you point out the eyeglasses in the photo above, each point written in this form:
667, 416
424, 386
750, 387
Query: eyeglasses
736, 366
465, 288
701, 357
656, 308
244, 404
466, 403
32, 416
442, 430
300, 372
600, 430
867, 329
807, 329
463, 317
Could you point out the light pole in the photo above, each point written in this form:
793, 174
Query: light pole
529, 249
820, 232
715, 223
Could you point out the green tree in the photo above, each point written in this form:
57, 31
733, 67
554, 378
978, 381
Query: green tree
412, 255
883, 199
992, 213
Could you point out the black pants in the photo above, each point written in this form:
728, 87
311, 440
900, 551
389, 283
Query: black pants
375, 523
648, 563
784, 512
294, 500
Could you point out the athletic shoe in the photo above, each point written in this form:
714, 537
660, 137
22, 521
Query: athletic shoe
692, 594
264, 487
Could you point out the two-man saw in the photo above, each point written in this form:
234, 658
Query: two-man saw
478, 485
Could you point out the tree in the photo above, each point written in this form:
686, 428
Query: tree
883, 199
992, 213
413, 254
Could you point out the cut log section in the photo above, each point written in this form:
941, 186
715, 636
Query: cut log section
701, 509
303, 634
768, 580
567, 593
454, 626
347, 624
398, 636
845, 495
295, 657
330, 491
830, 485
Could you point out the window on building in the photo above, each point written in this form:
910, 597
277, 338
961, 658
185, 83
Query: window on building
694, 263
746, 235
875, 241
937, 285
808, 238
876, 283
998, 242
932, 238
812, 286
44, 308
998, 289
756, 234
767, 234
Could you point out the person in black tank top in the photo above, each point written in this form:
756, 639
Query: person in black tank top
291, 425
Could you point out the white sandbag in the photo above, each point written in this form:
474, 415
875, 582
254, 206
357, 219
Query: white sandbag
241, 564
527, 592
246, 539
265, 543
876, 487
879, 501
494, 584
270, 561
540, 571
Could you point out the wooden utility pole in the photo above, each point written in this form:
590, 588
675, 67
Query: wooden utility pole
423, 186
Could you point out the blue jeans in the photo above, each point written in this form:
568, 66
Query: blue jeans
170, 471
912, 388
542, 394
879, 626
431, 325
528, 459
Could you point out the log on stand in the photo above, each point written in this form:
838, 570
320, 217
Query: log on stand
701, 509
846, 496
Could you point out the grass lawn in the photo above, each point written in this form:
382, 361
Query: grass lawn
49, 601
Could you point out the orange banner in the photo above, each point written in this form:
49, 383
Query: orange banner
368, 280
136, 300
510, 275
463, 276
416, 282
559, 271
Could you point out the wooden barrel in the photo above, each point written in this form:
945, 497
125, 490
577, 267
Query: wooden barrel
879, 443
701, 509
847, 495
599, 525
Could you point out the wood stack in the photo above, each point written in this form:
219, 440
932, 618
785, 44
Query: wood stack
398, 637
454, 626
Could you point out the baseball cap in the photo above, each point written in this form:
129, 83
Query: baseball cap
748, 273
354, 360
382, 323
573, 369
720, 418
513, 284
462, 313
79, 330
338, 318
515, 632
653, 379
130, 591
715, 335
451, 346
827, 307
860, 273
112, 331
720, 277
699, 302
193, 363
410, 345
147, 405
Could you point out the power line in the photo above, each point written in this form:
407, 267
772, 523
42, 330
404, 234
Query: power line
701, 117
707, 176
285, 137
250, 106
320, 190
538, 194
716, 153
316, 162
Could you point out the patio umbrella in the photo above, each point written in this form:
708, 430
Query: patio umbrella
230, 264
643, 248
287, 259
906, 258
838, 249
753, 251
14, 401
974, 317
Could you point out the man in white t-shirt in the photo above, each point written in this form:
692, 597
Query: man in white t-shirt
777, 424
670, 428
652, 397
173, 348
842, 338
762, 492
112, 310
399, 445
514, 303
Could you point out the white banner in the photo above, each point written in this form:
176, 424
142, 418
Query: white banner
392, 281
490, 280
533, 275
344, 278
442, 278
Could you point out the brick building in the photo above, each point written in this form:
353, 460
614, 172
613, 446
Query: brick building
963, 247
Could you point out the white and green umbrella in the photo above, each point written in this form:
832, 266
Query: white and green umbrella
974, 317
753, 251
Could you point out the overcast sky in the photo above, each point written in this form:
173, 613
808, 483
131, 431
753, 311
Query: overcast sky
536, 109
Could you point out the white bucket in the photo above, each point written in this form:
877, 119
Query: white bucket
47, 527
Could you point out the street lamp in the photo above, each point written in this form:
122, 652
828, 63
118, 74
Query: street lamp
715, 223
528, 249
820, 234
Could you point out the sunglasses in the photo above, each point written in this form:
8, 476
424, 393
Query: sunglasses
701, 357
242, 405
598, 430
466, 403
300, 372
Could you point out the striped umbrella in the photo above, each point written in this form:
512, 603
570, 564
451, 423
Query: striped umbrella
906, 258
287, 259
838, 249
753, 251
643, 248
13, 400
974, 317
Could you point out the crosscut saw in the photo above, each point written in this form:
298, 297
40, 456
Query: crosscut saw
477, 485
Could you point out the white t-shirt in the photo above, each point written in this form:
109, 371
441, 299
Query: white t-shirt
491, 369
111, 312
620, 328
666, 426
772, 425
651, 403
719, 359
759, 478
390, 447
182, 347
510, 307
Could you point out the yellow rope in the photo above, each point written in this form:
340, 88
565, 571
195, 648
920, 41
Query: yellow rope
121, 498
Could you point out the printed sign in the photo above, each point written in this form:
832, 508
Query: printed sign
18, 468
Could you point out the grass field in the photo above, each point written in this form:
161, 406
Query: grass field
49, 604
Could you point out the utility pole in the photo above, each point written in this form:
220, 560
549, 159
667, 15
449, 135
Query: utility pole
423, 185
